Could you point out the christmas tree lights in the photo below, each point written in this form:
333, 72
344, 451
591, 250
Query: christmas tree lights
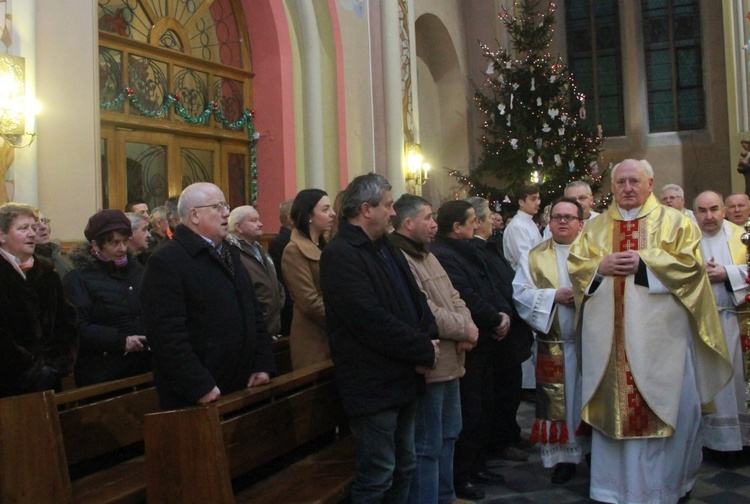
533, 113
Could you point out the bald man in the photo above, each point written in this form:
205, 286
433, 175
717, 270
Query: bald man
727, 430
203, 321
737, 208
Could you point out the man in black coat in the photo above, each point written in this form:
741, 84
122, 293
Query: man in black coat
380, 330
203, 322
505, 436
491, 314
276, 251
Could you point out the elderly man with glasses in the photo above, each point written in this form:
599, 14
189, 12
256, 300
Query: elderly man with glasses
543, 295
203, 321
49, 250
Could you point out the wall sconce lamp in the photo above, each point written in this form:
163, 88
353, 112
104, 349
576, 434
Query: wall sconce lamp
14, 104
416, 169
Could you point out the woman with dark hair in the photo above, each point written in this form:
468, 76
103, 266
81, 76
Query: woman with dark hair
312, 215
38, 337
104, 287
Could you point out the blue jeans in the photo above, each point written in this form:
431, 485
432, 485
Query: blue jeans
385, 455
436, 429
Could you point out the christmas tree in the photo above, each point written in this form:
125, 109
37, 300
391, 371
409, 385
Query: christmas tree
533, 130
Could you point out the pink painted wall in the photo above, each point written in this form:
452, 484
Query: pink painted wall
273, 102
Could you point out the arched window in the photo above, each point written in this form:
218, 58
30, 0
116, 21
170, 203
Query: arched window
595, 58
674, 65
175, 85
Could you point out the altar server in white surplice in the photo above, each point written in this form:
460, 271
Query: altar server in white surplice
544, 298
520, 236
652, 350
729, 428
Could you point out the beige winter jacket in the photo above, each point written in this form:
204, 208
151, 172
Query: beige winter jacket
451, 314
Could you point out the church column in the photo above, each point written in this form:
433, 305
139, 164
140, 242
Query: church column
312, 92
394, 137
68, 126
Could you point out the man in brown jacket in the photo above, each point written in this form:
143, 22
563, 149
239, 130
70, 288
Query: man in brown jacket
245, 225
439, 409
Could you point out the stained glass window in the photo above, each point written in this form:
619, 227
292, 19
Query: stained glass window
674, 65
206, 29
175, 57
594, 57
110, 75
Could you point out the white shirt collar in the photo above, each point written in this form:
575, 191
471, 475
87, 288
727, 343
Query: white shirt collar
631, 214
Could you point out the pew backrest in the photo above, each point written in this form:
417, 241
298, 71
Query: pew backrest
192, 454
102, 418
30, 434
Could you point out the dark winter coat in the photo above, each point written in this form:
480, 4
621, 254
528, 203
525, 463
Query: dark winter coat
38, 337
375, 340
276, 251
471, 278
516, 346
109, 310
204, 325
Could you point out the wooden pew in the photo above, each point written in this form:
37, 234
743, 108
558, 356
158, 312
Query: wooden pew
46, 438
32, 459
102, 432
193, 454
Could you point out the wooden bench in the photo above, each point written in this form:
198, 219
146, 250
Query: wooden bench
93, 434
46, 438
32, 458
102, 431
193, 454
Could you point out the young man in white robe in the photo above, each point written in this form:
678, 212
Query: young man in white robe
543, 296
520, 236
651, 347
728, 429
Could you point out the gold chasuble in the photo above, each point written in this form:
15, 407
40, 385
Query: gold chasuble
633, 340
550, 358
550, 381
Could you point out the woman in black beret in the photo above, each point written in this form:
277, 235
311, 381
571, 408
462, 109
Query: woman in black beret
104, 287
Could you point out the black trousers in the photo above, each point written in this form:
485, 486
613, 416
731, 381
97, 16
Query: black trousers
507, 387
476, 414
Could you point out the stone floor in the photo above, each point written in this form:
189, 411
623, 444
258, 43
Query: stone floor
529, 482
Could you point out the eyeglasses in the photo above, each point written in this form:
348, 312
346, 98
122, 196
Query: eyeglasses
45, 221
217, 206
565, 218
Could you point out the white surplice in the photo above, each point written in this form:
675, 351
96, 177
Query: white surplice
538, 308
729, 428
520, 236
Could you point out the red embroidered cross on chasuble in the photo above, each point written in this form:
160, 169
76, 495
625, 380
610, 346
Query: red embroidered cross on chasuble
638, 419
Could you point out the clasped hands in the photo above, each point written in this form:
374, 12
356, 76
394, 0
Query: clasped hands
620, 264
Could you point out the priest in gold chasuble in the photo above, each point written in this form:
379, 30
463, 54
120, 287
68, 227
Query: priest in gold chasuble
650, 343
543, 296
